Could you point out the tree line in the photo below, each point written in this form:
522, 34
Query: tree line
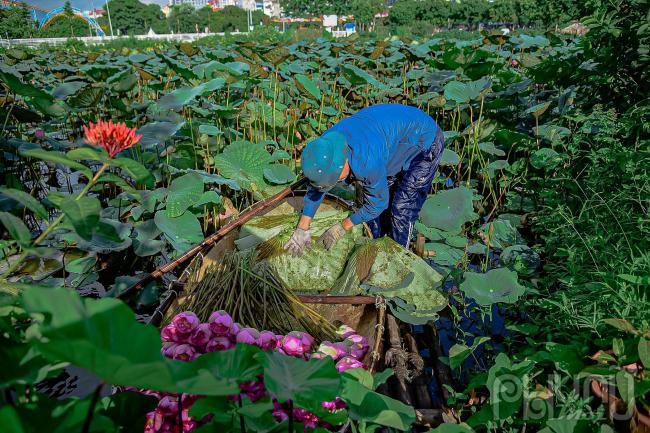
130, 17
446, 13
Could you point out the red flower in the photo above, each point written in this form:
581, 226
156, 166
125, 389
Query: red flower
113, 137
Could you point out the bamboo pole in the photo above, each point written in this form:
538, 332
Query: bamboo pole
211, 240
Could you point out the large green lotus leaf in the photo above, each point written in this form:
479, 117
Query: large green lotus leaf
11, 78
103, 336
308, 87
183, 192
307, 383
182, 232
520, 258
358, 76
279, 174
155, 133
178, 98
500, 234
462, 93
446, 255
244, 162
269, 115
449, 157
83, 214
448, 210
497, 285
364, 403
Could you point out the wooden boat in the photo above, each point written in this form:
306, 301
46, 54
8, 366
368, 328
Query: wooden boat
391, 343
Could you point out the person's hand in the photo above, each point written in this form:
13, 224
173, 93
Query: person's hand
332, 235
299, 240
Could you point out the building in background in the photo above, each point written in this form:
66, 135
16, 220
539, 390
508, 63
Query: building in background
196, 3
270, 8
248, 5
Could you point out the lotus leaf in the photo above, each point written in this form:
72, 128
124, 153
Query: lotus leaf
448, 210
445, 255
315, 270
501, 234
183, 192
182, 232
520, 258
449, 157
279, 174
244, 162
497, 285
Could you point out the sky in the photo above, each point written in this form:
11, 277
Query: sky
81, 4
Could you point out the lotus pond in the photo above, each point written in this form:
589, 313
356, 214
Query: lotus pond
222, 127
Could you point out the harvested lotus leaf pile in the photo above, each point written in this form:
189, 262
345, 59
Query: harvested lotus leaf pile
356, 265
314, 271
383, 267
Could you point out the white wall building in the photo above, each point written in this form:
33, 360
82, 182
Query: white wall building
196, 3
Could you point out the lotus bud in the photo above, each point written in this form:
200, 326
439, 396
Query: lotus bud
247, 336
168, 349
345, 330
266, 340
334, 405
217, 344
220, 323
236, 327
171, 333
279, 413
308, 419
201, 335
347, 363
168, 406
356, 338
186, 322
358, 351
292, 345
185, 352
149, 423
39, 133
306, 339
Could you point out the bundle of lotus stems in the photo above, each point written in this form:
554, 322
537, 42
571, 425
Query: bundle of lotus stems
247, 289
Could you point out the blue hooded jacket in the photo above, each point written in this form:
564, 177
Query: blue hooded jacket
382, 140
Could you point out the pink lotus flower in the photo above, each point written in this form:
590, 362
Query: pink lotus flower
220, 323
292, 345
356, 338
266, 340
112, 137
348, 363
217, 344
185, 352
185, 322
201, 335
39, 133
306, 339
168, 406
247, 336
514, 62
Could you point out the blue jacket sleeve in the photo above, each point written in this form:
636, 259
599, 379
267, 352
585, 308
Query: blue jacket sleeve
375, 200
313, 199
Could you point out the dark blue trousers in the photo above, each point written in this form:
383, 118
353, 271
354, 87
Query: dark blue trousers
408, 191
